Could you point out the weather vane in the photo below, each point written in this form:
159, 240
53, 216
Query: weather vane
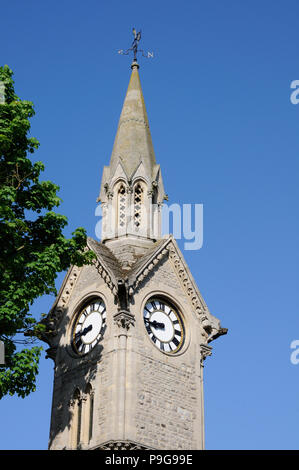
134, 47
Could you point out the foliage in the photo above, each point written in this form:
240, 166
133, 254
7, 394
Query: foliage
33, 247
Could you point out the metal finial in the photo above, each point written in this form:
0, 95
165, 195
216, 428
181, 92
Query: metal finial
134, 47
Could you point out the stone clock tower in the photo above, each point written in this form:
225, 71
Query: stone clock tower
129, 333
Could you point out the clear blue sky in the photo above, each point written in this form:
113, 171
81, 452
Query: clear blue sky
226, 135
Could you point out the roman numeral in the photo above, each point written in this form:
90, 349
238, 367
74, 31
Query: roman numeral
176, 341
178, 332
154, 305
79, 345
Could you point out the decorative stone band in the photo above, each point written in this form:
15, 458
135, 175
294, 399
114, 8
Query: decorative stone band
124, 319
106, 276
53, 319
122, 445
142, 121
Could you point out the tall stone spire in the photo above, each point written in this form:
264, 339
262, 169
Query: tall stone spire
132, 190
133, 141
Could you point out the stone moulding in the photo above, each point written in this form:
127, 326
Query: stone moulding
103, 272
55, 315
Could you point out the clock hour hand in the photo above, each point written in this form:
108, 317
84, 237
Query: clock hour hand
83, 332
157, 325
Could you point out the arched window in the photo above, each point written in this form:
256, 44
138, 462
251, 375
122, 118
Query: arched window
88, 414
82, 417
76, 419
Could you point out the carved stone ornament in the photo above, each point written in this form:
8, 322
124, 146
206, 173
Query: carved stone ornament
105, 275
122, 445
124, 319
53, 319
205, 351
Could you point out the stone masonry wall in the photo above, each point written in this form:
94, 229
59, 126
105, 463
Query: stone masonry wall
166, 404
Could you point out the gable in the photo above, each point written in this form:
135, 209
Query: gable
109, 268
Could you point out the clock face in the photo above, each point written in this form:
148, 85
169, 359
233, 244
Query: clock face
89, 327
164, 325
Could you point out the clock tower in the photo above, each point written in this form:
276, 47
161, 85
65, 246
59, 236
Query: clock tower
129, 333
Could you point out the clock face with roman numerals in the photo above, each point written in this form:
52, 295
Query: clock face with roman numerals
89, 327
164, 325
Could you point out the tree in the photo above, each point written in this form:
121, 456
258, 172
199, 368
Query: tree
33, 247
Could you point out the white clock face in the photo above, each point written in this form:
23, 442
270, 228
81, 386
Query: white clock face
89, 327
164, 325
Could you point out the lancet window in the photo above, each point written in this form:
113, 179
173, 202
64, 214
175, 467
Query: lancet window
138, 202
121, 206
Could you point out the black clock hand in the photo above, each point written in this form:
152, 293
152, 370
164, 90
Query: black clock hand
83, 332
155, 324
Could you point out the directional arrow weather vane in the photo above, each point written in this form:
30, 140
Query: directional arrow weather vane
134, 47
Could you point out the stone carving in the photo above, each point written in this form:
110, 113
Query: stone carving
124, 319
205, 351
122, 445
105, 275
53, 319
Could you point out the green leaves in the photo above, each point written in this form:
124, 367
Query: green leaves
33, 246
20, 376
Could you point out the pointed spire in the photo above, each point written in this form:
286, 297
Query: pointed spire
132, 190
133, 141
